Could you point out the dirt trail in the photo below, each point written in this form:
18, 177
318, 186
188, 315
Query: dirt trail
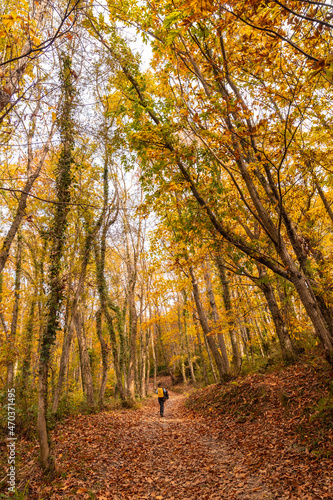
138, 455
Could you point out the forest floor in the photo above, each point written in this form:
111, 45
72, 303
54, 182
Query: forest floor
282, 423
135, 454
263, 436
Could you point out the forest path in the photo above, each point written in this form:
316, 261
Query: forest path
124, 455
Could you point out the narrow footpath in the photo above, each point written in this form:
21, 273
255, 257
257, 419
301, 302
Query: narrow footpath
135, 454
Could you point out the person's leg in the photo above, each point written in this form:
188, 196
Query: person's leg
161, 402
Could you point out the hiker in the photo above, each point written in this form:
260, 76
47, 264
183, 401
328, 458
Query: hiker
162, 395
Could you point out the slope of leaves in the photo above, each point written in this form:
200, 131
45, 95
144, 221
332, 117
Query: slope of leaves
282, 422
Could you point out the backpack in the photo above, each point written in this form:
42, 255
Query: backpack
166, 395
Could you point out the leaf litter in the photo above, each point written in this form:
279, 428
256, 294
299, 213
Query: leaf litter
127, 455
282, 422
261, 437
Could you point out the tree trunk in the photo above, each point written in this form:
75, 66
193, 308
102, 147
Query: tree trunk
236, 358
105, 303
68, 336
11, 338
210, 359
148, 363
222, 369
133, 333
189, 356
182, 369
161, 345
2, 317
181, 344
143, 364
26, 364
323, 197
216, 318
105, 357
314, 311
280, 325
154, 359
64, 360
58, 241
46, 460
203, 364
260, 337
148, 342
87, 380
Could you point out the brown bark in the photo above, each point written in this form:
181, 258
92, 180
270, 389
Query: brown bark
43, 438
203, 364
63, 367
142, 354
324, 199
212, 367
286, 344
102, 289
162, 348
105, 356
87, 380
215, 314
222, 369
187, 345
64, 360
106, 304
229, 312
281, 329
26, 364
181, 344
11, 337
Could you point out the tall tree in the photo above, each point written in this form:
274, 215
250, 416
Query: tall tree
57, 235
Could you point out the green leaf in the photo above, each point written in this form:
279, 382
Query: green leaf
172, 18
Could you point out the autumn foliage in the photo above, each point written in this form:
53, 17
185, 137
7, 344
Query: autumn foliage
166, 201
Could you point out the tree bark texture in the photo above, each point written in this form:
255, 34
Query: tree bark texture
131, 371
216, 317
281, 329
236, 358
204, 324
11, 337
202, 359
105, 356
87, 380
